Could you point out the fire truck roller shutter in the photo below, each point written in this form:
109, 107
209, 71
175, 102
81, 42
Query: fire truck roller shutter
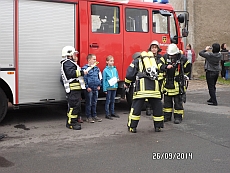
44, 29
6, 34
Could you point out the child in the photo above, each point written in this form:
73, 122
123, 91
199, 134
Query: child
92, 84
110, 85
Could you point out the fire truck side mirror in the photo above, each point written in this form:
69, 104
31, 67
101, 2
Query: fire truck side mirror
180, 18
186, 19
184, 32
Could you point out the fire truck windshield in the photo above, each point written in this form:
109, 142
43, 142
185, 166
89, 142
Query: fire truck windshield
164, 24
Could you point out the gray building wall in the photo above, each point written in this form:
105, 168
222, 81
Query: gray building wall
209, 22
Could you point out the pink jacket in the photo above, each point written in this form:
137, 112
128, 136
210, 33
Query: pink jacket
193, 55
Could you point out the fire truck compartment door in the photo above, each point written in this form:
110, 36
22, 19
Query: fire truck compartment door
44, 29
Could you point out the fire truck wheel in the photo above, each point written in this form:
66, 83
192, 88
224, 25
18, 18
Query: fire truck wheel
3, 105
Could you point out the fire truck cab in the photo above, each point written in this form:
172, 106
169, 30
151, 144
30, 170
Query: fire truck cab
33, 33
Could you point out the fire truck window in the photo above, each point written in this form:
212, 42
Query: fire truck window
160, 23
173, 30
105, 19
136, 20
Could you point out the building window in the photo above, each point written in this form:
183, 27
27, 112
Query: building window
105, 19
136, 20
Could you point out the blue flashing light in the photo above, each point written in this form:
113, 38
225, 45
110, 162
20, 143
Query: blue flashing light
161, 1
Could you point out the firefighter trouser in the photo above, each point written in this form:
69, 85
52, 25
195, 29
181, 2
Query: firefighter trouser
135, 112
168, 107
74, 106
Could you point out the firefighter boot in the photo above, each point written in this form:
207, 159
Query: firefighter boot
177, 118
132, 130
167, 116
75, 126
157, 129
158, 125
177, 121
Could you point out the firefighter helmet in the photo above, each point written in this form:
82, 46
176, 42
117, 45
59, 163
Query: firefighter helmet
173, 49
154, 42
68, 51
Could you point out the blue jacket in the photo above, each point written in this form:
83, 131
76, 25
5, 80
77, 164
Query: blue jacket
92, 78
108, 73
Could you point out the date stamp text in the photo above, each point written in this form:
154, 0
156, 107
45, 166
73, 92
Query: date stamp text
172, 155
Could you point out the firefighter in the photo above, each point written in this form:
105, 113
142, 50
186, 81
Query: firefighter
72, 79
174, 86
154, 47
142, 71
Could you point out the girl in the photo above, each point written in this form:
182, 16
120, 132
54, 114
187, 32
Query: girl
110, 85
191, 56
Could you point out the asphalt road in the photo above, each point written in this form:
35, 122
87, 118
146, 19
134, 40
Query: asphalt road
38, 141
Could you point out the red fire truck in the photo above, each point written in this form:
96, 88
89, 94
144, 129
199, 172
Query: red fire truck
33, 33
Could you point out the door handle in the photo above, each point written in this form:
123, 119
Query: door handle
94, 45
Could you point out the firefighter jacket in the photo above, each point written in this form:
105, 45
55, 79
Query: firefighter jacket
71, 73
145, 87
161, 73
174, 82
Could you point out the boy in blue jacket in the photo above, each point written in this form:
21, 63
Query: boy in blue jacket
110, 85
93, 85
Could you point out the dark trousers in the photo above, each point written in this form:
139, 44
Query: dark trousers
173, 105
223, 71
211, 78
190, 73
74, 106
136, 108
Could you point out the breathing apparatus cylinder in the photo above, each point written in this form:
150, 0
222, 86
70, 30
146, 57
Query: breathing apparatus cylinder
152, 59
146, 61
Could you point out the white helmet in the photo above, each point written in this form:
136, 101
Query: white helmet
154, 42
68, 51
173, 49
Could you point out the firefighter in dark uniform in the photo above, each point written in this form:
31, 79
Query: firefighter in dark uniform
143, 71
72, 79
174, 86
154, 47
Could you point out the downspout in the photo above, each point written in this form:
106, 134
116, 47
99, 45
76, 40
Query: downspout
185, 38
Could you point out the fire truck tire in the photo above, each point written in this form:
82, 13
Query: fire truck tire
3, 105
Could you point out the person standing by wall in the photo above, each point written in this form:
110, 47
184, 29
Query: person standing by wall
191, 56
110, 85
212, 68
223, 70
